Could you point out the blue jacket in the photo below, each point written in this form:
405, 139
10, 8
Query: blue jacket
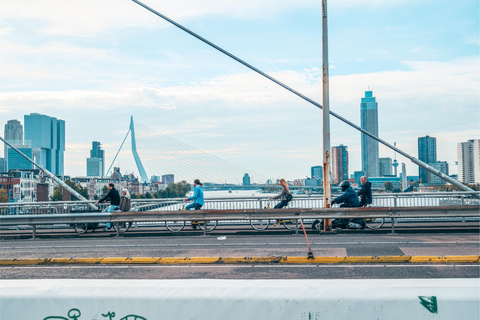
349, 197
197, 195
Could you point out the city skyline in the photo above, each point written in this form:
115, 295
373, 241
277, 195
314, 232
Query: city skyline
95, 73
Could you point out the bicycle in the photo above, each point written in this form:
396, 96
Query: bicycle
82, 228
262, 224
177, 226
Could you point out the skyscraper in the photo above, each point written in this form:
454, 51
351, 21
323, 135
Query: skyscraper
13, 134
339, 163
468, 156
246, 179
385, 167
427, 152
369, 122
441, 166
96, 162
317, 172
16, 161
46, 136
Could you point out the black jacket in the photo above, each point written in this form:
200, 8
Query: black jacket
365, 193
113, 196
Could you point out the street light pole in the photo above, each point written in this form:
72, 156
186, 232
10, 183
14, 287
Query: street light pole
327, 191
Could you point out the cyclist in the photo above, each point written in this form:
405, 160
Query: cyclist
282, 196
114, 198
198, 199
348, 199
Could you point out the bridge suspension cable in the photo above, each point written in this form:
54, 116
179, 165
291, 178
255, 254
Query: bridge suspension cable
411, 158
162, 154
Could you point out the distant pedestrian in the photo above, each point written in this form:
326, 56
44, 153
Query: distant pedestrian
365, 193
283, 195
197, 197
114, 198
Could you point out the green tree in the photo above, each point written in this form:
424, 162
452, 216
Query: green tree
388, 186
77, 187
3, 195
104, 191
57, 194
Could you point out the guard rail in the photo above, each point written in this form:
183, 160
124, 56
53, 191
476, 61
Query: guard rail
241, 214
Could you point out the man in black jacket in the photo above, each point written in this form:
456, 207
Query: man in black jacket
114, 198
365, 192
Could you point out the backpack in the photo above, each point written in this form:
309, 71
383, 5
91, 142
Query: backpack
289, 197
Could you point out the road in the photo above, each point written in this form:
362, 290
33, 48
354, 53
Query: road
237, 244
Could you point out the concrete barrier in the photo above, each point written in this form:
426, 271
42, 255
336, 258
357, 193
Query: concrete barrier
239, 299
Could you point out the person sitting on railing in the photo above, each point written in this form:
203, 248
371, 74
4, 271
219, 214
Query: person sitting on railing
125, 203
348, 199
114, 198
365, 193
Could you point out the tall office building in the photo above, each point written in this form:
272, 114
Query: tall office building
246, 179
46, 136
96, 162
168, 178
16, 161
369, 122
427, 152
3, 165
385, 166
468, 156
435, 180
13, 134
316, 172
339, 161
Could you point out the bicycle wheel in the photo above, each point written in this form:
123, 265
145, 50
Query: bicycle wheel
81, 228
291, 224
374, 223
123, 226
211, 225
260, 225
175, 226
317, 224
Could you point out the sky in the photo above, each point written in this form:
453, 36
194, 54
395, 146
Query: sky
96, 63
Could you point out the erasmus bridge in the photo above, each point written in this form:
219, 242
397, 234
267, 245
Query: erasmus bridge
158, 153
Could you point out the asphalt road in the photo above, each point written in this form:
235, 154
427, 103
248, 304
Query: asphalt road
235, 244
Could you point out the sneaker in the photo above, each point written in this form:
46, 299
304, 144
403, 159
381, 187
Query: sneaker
353, 225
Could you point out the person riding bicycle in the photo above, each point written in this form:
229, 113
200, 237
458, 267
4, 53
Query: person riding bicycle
114, 198
282, 196
348, 199
365, 193
198, 199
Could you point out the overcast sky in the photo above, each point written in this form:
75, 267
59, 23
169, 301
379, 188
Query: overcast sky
95, 63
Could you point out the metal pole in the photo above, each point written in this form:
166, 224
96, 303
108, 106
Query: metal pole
53, 177
327, 191
413, 159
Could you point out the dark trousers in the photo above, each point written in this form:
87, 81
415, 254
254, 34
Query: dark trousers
281, 204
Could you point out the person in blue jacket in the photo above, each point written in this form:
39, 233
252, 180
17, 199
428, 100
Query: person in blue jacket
197, 197
348, 199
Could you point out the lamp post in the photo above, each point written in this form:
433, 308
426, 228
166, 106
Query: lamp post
327, 191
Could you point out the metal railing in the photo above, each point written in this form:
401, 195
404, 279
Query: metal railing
253, 202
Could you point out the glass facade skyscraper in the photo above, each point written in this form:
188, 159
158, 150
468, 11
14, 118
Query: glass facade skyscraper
46, 136
427, 152
16, 161
317, 172
96, 162
339, 164
385, 167
13, 134
369, 123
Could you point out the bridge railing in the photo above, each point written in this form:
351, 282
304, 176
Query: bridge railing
252, 202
